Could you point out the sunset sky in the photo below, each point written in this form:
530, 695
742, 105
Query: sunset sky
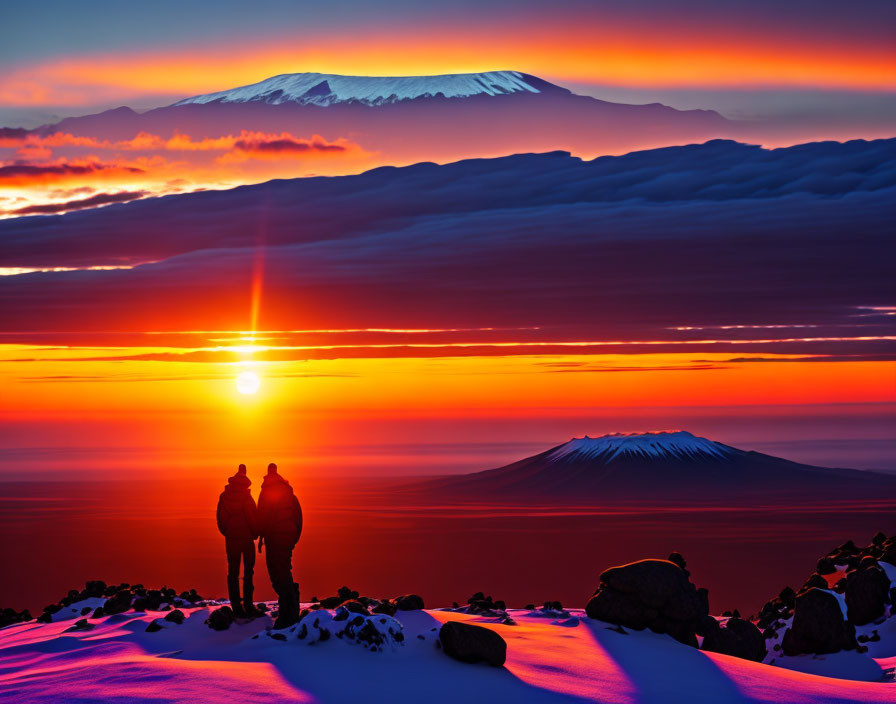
378, 345
59, 59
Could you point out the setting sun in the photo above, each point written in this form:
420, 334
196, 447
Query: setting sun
248, 383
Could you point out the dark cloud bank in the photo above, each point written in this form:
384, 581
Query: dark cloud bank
615, 248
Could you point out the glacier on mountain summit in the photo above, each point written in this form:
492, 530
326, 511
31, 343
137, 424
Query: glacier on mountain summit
327, 89
678, 444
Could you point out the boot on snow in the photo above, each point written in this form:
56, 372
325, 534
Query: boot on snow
248, 605
233, 593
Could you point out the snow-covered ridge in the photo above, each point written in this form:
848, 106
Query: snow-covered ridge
328, 88
676, 444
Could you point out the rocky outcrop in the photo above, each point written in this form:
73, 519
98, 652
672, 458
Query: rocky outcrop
819, 625
472, 644
867, 594
736, 637
11, 616
654, 594
118, 603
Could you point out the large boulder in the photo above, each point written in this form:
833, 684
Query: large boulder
469, 643
736, 637
118, 603
176, 616
819, 625
220, 619
409, 602
867, 592
654, 594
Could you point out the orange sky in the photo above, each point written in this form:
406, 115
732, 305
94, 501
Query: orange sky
172, 406
591, 53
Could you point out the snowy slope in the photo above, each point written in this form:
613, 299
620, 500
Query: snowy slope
575, 659
328, 89
678, 444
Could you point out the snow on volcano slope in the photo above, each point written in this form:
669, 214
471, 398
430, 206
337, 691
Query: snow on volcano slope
677, 444
327, 88
570, 660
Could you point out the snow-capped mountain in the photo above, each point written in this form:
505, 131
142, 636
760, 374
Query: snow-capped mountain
328, 88
677, 444
405, 120
660, 465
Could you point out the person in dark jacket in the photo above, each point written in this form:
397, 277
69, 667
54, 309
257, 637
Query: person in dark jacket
238, 523
280, 525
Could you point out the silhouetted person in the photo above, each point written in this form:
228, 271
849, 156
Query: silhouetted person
238, 523
280, 524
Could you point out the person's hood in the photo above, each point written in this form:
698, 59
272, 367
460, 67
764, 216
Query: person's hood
275, 481
238, 482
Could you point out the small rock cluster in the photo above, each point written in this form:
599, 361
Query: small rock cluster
11, 616
407, 602
481, 605
120, 598
820, 618
658, 594
550, 609
372, 631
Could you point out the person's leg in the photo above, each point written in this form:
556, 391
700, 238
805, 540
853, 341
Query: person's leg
248, 574
234, 553
278, 560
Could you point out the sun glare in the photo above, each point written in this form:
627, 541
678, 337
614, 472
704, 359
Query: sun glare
248, 383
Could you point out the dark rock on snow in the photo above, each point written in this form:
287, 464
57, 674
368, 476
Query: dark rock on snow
736, 637
409, 602
818, 626
11, 616
654, 594
469, 643
867, 592
385, 607
220, 619
176, 616
118, 603
354, 606
81, 625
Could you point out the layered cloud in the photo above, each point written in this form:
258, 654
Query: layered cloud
704, 248
25, 174
36, 163
80, 203
247, 141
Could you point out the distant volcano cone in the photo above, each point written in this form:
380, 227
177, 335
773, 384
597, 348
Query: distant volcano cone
655, 465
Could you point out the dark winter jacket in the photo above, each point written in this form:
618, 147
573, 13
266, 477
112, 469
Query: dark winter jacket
237, 514
279, 512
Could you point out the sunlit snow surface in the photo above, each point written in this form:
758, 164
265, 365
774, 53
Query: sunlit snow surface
328, 88
678, 444
567, 660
